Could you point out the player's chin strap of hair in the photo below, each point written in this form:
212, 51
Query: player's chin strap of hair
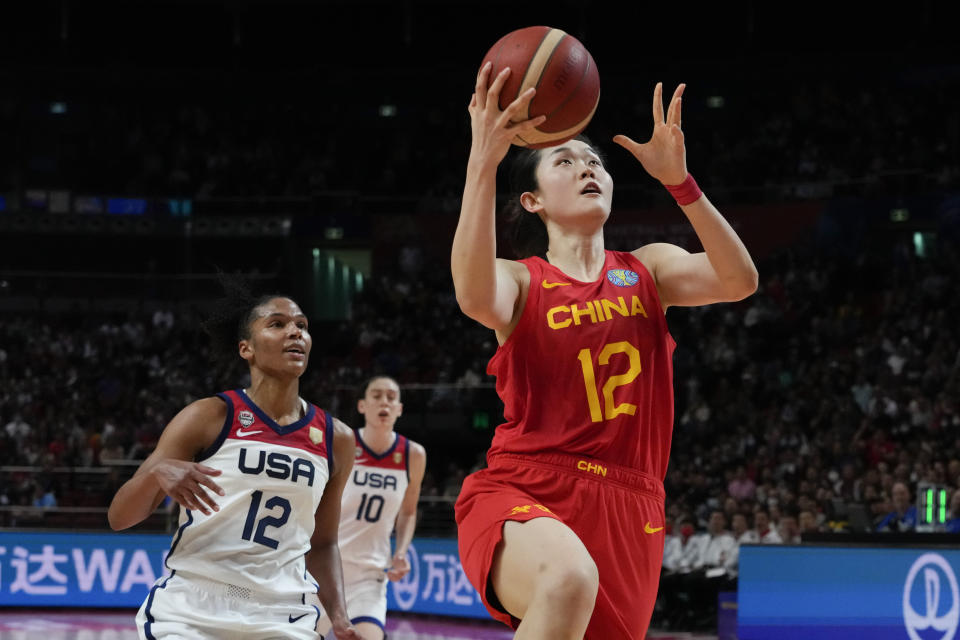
686, 192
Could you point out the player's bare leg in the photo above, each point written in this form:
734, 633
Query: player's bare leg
369, 631
543, 575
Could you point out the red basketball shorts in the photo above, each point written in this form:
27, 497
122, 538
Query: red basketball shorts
616, 512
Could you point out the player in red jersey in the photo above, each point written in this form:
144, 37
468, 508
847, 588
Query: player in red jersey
562, 532
258, 474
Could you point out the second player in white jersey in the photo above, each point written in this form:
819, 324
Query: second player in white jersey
371, 502
380, 497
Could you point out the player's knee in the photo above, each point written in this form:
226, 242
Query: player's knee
571, 585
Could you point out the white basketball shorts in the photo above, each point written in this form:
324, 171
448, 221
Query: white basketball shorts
191, 608
366, 596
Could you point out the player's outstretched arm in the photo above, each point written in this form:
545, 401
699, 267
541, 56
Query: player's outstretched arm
486, 288
169, 470
407, 517
323, 559
724, 271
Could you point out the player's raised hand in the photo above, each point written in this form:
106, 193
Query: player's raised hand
399, 568
492, 128
664, 156
184, 482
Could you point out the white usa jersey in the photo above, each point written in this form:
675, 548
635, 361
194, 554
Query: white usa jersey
370, 504
273, 478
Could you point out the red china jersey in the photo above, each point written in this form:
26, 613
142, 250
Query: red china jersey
588, 369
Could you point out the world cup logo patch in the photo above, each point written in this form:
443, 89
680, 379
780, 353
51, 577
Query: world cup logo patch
622, 277
245, 418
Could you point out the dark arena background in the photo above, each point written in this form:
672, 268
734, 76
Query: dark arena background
319, 148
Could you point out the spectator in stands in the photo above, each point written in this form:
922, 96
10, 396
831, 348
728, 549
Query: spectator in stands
765, 533
730, 508
742, 486
774, 509
741, 530
675, 606
714, 570
43, 497
18, 429
904, 514
682, 549
112, 450
718, 551
807, 522
845, 485
789, 528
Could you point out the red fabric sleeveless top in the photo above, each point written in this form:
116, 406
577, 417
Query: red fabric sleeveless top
588, 369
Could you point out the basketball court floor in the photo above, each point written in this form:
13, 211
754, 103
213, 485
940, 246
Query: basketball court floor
20, 624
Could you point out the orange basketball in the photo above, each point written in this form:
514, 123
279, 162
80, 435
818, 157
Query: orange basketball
564, 74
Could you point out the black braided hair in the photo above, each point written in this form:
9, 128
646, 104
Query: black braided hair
232, 315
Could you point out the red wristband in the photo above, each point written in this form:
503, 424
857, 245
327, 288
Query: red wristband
685, 192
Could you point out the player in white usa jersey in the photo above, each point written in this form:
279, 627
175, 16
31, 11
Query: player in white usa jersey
243, 565
381, 496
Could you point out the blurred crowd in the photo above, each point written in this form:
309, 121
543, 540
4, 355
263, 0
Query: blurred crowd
835, 384
803, 132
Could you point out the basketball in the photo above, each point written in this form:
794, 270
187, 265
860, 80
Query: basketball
563, 73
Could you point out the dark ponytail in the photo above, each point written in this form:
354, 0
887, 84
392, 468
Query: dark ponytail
526, 231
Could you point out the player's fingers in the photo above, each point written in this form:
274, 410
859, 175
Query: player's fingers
519, 106
480, 91
485, 69
189, 501
526, 125
210, 471
493, 93
658, 104
201, 493
210, 483
626, 142
673, 113
677, 133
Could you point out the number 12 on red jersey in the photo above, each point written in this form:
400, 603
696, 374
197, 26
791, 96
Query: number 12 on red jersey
610, 410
